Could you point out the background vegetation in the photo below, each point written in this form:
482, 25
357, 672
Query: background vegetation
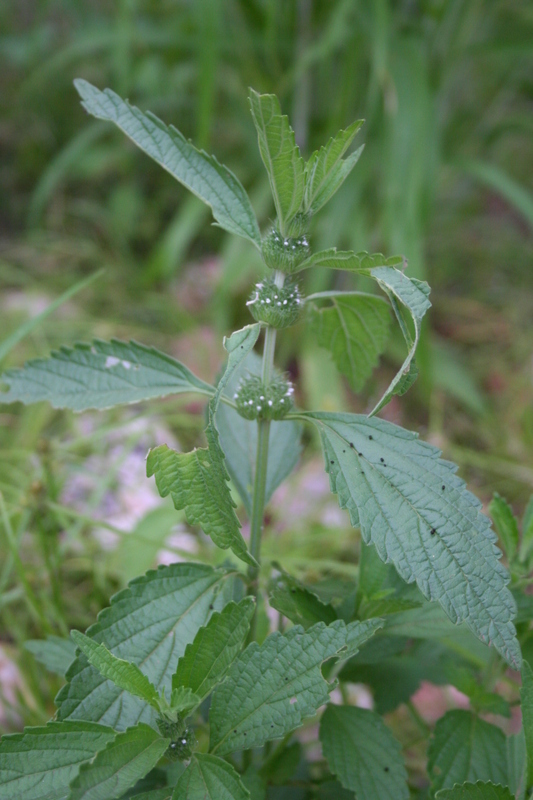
446, 88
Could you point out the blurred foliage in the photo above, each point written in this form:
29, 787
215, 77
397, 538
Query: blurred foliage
446, 88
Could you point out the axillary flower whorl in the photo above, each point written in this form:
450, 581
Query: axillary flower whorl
285, 253
274, 306
182, 738
256, 401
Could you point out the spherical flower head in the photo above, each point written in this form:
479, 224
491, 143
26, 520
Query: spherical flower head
284, 253
182, 738
277, 307
255, 400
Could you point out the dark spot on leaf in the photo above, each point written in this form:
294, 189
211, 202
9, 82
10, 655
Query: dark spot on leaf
351, 444
382, 460
234, 731
370, 437
211, 607
443, 487
331, 462
433, 531
271, 726
385, 769
344, 451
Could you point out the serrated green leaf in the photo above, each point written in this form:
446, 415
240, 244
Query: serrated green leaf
355, 329
40, 763
526, 696
115, 769
296, 602
197, 481
420, 516
326, 171
208, 658
464, 749
476, 791
210, 778
281, 156
123, 674
362, 752
348, 260
272, 688
505, 524
100, 375
212, 182
238, 437
413, 295
54, 652
149, 624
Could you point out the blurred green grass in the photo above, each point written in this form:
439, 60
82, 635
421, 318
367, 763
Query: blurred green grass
445, 87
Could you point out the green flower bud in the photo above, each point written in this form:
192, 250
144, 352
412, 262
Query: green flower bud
284, 253
256, 401
279, 307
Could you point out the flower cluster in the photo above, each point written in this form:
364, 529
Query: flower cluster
285, 253
182, 738
255, 400
279, 307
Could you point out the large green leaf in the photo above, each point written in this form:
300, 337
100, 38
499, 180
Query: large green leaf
281, 156
54, 652
210, 778
348, 260
115, 769
40, 763
420, 516
272, 688
326, 170
212, 182
526, 695
150, 624
476, 791
362, 752
197, 481
465, 748
238, 437
208, 658
100, 375
355, 329
123, 674
505, 524
413, 295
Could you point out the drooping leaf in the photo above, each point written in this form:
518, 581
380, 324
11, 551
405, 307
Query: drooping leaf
41, 762
210, 778
476, 791
198, 481
419, 515
115, 769
350, 261
362, 752
122, 673
149, 624
355, 329
505, 524
238, 437
413, 295
326, 170
272, 688
464, 749
100, 375
54, 652
296, 602
207, 659
212, 182
526, 695
281, 156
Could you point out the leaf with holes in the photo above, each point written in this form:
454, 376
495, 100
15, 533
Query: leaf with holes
210, 778
280, 154
362, 752
326, 170
198, 481
420, 516
212, 182
208, 658
124, 761
272, 688
413, 295
465, 748
149, 624
355, 329
100, 375
41, 762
